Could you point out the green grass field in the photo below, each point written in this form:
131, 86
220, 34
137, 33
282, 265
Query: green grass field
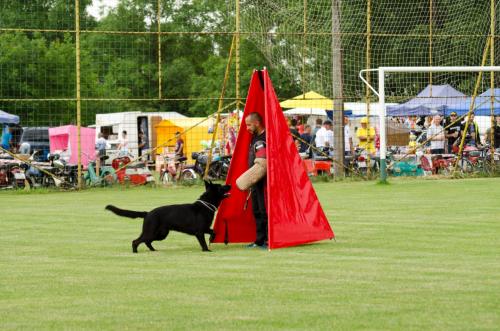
412, 255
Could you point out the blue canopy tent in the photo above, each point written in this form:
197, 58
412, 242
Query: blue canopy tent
434, 99
482, 104
7, 118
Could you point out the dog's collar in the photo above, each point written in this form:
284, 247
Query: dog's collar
208, 205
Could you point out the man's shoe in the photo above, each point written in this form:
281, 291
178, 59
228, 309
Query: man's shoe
252, 245
264, 246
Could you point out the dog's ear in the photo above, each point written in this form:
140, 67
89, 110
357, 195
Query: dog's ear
207, 184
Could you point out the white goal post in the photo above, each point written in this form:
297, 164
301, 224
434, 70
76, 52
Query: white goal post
382, 71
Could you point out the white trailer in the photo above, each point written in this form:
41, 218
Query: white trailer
113, 124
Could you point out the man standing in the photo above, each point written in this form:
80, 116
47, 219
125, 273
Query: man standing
472, 135
317, 127
347, 137
257, 165
366, 136
179, 146
101, 145
306, 140
123, 144
435, 134
324, 137
496, 133
141, 143
293, 129
453, 132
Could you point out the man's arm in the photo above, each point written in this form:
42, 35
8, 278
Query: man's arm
330, 138
360, 136
439, 135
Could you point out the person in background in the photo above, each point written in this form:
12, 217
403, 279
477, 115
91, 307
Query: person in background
452, 132
230, 141
366, 136
141, 142
179, 145
101, 145
435, 134
6, 138
324, 138
411, 123
428, 122
306, 141
293, 129
123, 144
496, 133
472, 135
317, 127
348, 147
412, 144
300, 125
298, 144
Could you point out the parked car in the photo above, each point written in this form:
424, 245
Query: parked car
38, 140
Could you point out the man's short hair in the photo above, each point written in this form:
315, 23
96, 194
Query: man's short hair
255, 117
319, 121
293, 122
307, 126
327, 122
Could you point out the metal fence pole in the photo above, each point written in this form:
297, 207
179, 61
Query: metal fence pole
78, 96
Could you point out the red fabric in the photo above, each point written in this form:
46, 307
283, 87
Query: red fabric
295, 214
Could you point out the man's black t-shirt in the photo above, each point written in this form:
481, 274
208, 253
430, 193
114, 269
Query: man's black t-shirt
456, 127
496, 136
304, 146
257, 146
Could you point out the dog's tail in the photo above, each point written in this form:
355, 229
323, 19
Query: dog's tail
126, 213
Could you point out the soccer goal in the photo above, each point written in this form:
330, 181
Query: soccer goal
468, 89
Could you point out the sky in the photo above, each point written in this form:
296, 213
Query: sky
94, 9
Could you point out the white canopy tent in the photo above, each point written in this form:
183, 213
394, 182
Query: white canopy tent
305, 111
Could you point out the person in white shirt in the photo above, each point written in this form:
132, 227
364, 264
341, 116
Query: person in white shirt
347, 137
123, 144
324, 137
435, 134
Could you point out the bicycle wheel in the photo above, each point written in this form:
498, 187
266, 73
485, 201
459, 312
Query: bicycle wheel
487, 167
188, 176
107, 178
466, 167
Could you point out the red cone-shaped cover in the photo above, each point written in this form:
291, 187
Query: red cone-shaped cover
295, 215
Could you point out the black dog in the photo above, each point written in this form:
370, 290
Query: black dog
194, 219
